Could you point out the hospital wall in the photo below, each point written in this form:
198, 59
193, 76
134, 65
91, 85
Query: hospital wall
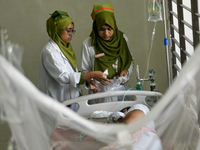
25, 21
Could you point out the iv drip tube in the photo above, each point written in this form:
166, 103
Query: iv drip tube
166, 43
152, 38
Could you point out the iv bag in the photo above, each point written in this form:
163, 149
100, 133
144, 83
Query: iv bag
154, 8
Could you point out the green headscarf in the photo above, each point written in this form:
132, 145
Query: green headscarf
58, 21
115, 48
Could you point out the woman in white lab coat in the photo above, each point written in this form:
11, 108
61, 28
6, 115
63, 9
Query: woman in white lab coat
107, 49
58, 72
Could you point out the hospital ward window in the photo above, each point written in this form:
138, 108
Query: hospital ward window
184, 18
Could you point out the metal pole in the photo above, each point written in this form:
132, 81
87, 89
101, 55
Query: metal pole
166, 43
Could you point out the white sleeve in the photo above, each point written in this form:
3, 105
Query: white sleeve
141, 107
88, 54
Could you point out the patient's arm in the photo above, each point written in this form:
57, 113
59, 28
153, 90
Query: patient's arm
133, 116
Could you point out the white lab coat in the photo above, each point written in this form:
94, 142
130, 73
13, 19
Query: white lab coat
88, 58
57, 77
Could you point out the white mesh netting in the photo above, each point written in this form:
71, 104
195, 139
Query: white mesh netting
34, 117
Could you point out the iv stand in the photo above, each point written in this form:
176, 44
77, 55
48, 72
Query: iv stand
166, 43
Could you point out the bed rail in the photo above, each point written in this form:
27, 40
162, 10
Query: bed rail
86, 109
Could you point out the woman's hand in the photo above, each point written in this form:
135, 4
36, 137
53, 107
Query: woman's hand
98, 75
101, 77
93, 87
124, 73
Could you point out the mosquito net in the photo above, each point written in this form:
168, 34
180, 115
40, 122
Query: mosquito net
37, 121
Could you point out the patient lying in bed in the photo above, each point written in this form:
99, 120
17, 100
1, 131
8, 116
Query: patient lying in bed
144, 139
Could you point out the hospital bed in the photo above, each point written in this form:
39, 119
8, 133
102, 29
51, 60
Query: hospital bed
85, 109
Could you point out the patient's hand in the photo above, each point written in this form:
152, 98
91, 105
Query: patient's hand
93, 87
